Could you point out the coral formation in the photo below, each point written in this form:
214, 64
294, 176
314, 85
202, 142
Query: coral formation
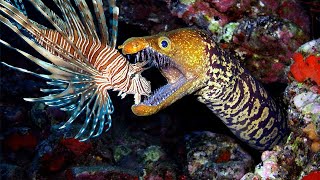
21, 140
215, 156
299, 157
75, 146
306, 68
155, 147
311, 131
312, 176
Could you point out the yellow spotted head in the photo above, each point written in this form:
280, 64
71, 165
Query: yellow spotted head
181, 57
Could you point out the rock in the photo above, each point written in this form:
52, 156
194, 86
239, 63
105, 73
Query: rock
136, 151
12, 115
101, 172
215, 156
11, 172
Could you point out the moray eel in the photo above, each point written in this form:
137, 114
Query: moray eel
193, 63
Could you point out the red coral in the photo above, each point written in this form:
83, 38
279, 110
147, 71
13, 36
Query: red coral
302, 69
21, 141
76, 146
53, 162
312, 176
224, 156
57, 163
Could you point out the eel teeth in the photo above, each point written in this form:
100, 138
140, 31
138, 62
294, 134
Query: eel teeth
120, 92
137, 98
152, 57
123, 95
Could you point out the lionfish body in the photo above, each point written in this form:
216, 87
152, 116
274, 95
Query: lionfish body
84, 65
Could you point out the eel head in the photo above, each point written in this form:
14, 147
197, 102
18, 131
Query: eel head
180, 56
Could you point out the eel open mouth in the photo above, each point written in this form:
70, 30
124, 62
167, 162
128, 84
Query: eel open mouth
164, 96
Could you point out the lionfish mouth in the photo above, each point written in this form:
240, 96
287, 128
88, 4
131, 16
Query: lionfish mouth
167, 94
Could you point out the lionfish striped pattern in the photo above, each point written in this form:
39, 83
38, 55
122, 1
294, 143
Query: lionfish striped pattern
83, 63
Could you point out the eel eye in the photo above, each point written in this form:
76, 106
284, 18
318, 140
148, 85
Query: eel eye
164, 43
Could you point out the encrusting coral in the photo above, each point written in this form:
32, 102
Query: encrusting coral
306, 68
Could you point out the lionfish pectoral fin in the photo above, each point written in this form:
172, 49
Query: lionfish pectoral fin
72, 91
97, 107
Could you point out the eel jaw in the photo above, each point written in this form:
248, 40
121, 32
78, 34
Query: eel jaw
179, 84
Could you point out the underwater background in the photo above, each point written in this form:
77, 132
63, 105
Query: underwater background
185, 140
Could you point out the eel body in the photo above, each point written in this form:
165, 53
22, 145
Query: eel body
193, 63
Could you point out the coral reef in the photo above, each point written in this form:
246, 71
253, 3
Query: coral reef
299, 157
204, 13
265, 45
214, 156
265, 34
101, 172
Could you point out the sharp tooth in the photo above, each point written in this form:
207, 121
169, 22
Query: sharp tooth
123, 95
138, 57
137, 98
120, 92
143, 55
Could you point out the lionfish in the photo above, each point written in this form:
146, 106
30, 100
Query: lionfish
83, 61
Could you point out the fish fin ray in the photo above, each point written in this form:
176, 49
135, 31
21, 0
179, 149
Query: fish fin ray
87, 19
114, 10
103, 28
95, 110
76, 66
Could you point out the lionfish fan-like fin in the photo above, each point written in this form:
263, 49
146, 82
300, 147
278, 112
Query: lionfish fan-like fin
18, 4
87, 19
74, 92
103, 28
77, 83
51, 15
21, 19
97, 107
114, 10
72, 19
101, 106
58, 73
44, 10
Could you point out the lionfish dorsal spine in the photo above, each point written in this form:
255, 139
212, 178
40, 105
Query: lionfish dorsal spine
87, 17
114, 10
36, 32
52, 18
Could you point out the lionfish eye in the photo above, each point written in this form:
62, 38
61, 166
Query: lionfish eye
132, 76
164, 43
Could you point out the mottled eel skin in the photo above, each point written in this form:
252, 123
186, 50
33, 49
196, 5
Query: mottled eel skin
193, 63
